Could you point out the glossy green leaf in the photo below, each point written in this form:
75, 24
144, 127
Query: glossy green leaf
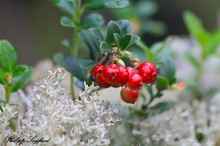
195, 27
105, 4
97, 33
125, 26
117, 38
71, 64
19, 70
8, 57
66, 6
162, 106
92, 42
162, 83
105, 46
87, 63
167, 69
135, 38
112, 28
20, 81
125, 41
92, 20
193, 60
67, 22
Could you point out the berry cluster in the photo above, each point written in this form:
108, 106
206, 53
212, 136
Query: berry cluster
120, 76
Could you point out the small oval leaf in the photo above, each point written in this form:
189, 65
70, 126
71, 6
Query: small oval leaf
106, 4
67, 22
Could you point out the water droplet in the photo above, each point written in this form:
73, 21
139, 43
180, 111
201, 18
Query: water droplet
149, 84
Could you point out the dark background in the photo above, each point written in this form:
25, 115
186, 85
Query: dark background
32, 26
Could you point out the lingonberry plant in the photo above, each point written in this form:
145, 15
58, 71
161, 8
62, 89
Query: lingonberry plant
114, 60
74, 10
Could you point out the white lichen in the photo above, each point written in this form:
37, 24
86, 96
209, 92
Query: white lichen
55, 116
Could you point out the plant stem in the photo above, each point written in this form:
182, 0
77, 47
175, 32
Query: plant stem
7, 93
7, 100
149, 102
74, 51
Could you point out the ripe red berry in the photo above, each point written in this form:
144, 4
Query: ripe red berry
128, 95
148, 71
123, 76
97, 69
131, 70
135, 82
101, 82
111, 74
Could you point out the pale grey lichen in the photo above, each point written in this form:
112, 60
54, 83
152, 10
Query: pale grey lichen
6, 114
85, 121
55, 115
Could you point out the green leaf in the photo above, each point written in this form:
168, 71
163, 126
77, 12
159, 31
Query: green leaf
67, 43
87, 63
125, 41
67, 22
92, 42
112, 28
135, 38
71, 64
20, 81
167, 69
117, 37
137, 52
162, 83
162, 106
149, 55
153, 27
19, 70
8, 57
92, 20
97, 33
125, 26
146, 8
105, 4
66, 6
213, 44
140, 112
105, 46
195, 27
193, 60
3, 76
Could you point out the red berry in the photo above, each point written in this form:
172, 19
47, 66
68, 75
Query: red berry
131, 70
148, 71
135, 82
97, 69
111, 74
123, 76
128, 95
101, 82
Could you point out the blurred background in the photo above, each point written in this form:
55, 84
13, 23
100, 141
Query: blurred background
32, 26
